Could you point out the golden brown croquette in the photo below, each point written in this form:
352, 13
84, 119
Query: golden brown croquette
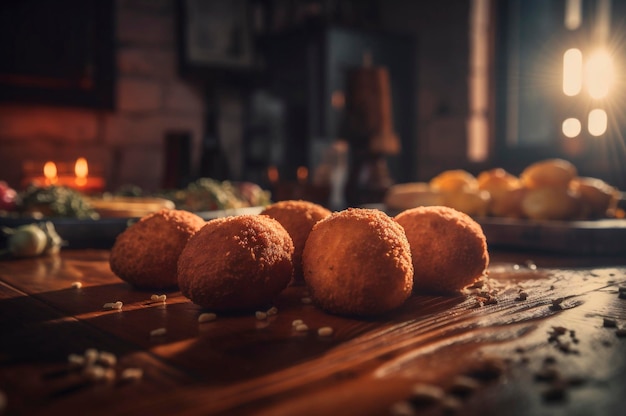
358, 262
236, 263
146, 253
448, 248
298, 218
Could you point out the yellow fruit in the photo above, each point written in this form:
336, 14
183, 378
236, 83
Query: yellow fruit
454, 180
499, 183
550, 173
472, 202
551, 204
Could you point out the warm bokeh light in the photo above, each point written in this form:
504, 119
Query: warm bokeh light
597, 123
81, 168
571, 127
573, 14
50, 172
272, 174
572, 72
338, 100
599, 74
302, 173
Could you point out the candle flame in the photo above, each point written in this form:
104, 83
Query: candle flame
50, 172
81, 169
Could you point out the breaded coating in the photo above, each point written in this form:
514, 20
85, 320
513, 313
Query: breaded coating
236, 263
448, 247
358, 262
298, 218
146, 253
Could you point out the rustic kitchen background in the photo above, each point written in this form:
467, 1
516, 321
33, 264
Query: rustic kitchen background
154, 92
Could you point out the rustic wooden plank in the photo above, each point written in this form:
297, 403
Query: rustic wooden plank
35, 374
243, 365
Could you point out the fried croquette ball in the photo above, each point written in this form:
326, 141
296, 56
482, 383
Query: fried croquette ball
448, 248
550, 173
146, 253
236, 263
298, 218
454, 180
357, 262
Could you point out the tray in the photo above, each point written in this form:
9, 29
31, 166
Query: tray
592, 237
101, 233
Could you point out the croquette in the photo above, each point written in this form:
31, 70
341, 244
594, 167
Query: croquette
298, 217
357, 262
236, 263
146, 253
448, 248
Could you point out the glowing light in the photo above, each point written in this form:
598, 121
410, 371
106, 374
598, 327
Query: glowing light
571, 127
572, 72
81, 168
597, 122
573, 14
599, 74
302, 173
50, 172
272, 174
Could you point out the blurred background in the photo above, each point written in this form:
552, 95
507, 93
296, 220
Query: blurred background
310, 93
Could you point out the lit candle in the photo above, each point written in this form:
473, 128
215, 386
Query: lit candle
81, 169
50, 173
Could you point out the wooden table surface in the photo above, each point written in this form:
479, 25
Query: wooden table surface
491, 351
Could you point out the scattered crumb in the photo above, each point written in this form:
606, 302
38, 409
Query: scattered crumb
272, 311
131, 374
77, 285
260, 315
297, 322
609, 323
301, 328
402, 408
207, 317
521, 296
113, 305
106, 358
158, 332
325, 331
463, 386
424, 394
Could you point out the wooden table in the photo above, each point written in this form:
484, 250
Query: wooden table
532, 340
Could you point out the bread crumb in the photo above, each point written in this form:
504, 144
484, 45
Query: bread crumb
207, 317
325, 331
158, 332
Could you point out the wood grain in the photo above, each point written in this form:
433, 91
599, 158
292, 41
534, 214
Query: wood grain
238, 364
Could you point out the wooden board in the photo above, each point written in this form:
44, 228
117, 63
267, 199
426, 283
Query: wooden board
241, 365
